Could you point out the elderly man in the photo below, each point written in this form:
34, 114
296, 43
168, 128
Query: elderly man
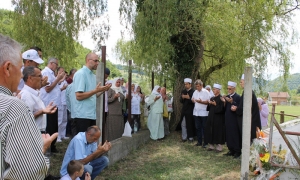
30, 58
51, 93
200, 98
233, 138
187, 123
85, 89
22, 145
33, 81
255, 115
83, 147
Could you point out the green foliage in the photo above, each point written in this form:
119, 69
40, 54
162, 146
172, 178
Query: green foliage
53, 25
114, 71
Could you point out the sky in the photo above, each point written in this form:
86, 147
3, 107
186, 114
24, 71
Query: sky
115, 34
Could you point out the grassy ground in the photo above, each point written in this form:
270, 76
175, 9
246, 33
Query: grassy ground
291, 110
167, 159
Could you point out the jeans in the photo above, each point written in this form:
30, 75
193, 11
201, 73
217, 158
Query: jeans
95, 167
200, 123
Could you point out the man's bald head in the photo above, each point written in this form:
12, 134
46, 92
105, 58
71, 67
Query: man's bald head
92, 61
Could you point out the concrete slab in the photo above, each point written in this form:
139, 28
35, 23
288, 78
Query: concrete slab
123, 146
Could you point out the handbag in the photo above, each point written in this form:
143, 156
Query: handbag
165, 112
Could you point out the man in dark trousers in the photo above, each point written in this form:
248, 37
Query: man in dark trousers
231, 123
187, 123
255, 115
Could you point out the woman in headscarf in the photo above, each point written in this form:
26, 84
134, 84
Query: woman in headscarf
114, 122
135, 108
140, 93
264, 113
211, 93
155, 118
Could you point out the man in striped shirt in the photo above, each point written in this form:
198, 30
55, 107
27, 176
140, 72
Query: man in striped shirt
22, 146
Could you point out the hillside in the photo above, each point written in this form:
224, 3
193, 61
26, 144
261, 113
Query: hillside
293, 83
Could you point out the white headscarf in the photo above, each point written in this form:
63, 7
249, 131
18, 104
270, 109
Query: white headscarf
115, 88
154, 91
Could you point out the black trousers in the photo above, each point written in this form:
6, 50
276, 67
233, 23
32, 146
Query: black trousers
82, 124
52, 126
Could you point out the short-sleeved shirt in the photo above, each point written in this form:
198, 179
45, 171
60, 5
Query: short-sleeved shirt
63, 93
77, 149
69, 97
200, 109
84, 80
54, 94
34, 102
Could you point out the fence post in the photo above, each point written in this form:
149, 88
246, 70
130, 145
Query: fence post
281, 117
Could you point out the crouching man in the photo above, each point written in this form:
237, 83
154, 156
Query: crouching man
83, 147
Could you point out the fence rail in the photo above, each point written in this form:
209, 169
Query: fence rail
284, 117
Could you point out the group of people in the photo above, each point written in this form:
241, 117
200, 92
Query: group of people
217, 117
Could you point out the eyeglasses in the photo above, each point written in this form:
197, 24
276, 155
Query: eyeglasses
40, 76
96, 60
55, 63
229, 88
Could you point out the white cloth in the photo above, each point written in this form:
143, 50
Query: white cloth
106, 97
243, 77
21, 83
54, 94
230, 83
117, 89
200, 109
135, 103
154, 91
63, 93
34, 102
218, 86
188, 80
67, 177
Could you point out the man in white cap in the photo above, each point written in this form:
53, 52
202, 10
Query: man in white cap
215, 126
187, 124
200, 98
233, 139
255, 115
30, 58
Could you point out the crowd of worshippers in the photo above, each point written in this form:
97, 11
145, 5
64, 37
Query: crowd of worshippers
217, 119
40, 108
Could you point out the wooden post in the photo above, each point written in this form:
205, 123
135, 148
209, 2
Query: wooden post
152, 81
246, 123
281, 117
103, 59
99, 100
129, 93
165, 84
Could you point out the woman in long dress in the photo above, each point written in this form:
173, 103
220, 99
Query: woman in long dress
155, 118
115, 122
142, 117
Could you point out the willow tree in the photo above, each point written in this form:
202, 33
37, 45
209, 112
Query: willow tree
53, 25
196, 38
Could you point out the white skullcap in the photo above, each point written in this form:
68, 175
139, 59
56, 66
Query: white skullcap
230, 83
208, 86
218, 86
243, 77
188, 80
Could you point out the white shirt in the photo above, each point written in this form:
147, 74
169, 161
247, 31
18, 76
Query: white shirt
200, 109
54, 94
67, 177
21, 83
135, 104
34, 102
106, 102
63, 93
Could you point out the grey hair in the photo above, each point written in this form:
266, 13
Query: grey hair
10, 50
198, 81
93, 129
52, 59
28, 71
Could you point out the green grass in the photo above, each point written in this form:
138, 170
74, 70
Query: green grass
167, 159
290, 110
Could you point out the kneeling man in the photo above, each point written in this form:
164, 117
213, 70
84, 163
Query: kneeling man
83, 147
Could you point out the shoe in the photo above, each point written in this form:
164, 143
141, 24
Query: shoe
65, 138
236, 155
198, 144
191, 141
58, 140
229, 153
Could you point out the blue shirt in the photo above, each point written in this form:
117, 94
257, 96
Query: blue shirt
84, 80
77, 149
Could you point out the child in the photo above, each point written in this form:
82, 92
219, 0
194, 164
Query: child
75, 171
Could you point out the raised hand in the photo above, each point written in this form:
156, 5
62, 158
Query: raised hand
45, 81
233, 108
50, 109
87, 176
48, 140
60, 75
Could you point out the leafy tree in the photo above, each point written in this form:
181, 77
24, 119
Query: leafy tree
53, 25
199, 38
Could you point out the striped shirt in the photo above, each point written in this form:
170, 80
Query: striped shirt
21, 140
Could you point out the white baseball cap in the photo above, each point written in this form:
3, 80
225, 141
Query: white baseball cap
33, 55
